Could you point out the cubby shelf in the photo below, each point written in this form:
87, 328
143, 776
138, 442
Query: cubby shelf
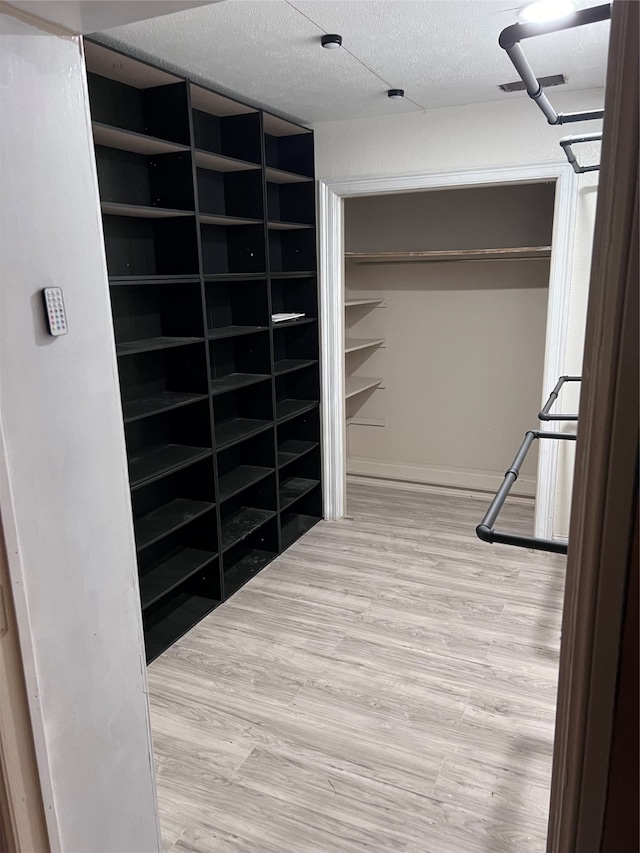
244, 569
242, 523
221, 163
240, 478
294, 525
294, 488
234, 331
166, 519
274, 225
288, 365
130, 140
208, 221
234, 381
141, 211
279, 176
301, 321
238, 429
170, 572
151, 344
222, 219
163, 461
155, 404
291, 450
287, 409
175, 619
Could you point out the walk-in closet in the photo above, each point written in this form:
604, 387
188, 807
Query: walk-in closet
446, 298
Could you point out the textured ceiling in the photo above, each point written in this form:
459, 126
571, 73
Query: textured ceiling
442, 52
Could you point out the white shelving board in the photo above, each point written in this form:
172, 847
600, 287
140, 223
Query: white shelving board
357, 384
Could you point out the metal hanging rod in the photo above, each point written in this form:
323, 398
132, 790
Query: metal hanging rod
544, 415
567, 141
510, 39
485, 529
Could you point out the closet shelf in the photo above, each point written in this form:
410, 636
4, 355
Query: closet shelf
352, 303
158, 523
287, 409
222, 219
274, 225
449, 255
151, 344
141, 211
294, 526
294, 449
155, 404
354, 344
288, 365
130, 140
183, 613
233, 381
123, 280
244, 569
357, 384
234, 331
241, 478
221, 163
231, 432
301, 321
169, 573
279, 176
293, 489
241, 524
163, 461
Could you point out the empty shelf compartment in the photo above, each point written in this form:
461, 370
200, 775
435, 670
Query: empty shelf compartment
354, 344
293, 449
162, 461
245, 564
241, 523
294, 488
232, 431
287, 365
286, 409
295, 525
167, 518
155, 404
240, 478
233, 381
171, 571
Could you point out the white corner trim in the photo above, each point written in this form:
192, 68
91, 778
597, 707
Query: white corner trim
331, 241
331, 352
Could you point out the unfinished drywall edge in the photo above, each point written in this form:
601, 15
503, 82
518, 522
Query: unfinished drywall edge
72, 558
432, 475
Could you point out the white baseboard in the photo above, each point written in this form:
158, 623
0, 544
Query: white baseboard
460, 478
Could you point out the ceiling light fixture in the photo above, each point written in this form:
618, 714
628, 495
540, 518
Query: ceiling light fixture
546, 10
331, 41
395, 94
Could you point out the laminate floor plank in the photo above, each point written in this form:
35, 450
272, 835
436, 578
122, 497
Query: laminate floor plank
387, 685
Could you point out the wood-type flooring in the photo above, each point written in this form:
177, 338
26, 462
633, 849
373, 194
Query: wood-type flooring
388, 684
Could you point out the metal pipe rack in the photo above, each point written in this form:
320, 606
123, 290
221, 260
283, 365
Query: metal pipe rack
485, 529
567, 141
510, 39
544, 414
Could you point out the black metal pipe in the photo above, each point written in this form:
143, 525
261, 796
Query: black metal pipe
510, 39
543, 414
485, 531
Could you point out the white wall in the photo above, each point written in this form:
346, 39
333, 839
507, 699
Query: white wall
464, 138
64, 492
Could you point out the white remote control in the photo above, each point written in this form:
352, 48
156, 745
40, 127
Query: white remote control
54, 306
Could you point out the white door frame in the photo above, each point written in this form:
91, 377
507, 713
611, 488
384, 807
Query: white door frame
331, 236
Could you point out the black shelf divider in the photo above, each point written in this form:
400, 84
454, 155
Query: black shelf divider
208, 216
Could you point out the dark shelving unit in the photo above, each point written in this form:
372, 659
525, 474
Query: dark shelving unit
208, 210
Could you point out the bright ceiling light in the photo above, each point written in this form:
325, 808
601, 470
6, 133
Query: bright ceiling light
546, 10
395, 94
331, 41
